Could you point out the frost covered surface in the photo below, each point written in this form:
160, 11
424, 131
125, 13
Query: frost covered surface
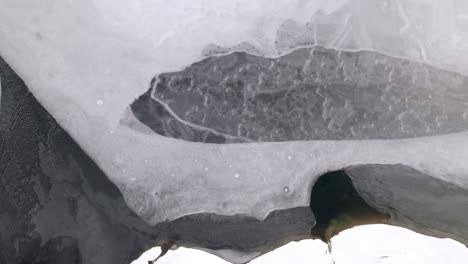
86, 61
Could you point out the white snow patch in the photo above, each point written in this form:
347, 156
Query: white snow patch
369, 244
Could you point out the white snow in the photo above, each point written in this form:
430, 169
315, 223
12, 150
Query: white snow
372, 244
380, 244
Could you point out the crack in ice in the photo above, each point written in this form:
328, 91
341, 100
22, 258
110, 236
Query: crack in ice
190, 124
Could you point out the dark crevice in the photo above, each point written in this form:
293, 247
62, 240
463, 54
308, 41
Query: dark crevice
337, 206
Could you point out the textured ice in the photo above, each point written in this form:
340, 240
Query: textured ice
307, 94
72, 53
253, 160
104, 58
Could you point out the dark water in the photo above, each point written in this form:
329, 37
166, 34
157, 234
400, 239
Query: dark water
337, 206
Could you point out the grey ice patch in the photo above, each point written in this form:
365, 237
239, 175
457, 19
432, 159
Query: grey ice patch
129, 119
414, 199
189, 124
308, 94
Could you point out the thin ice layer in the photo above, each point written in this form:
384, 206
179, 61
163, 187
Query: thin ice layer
306, 94
86, 61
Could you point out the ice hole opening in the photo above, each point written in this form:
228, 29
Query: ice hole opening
337, 206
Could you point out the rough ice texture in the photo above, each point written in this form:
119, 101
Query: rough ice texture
57, 206
116, 49
307, 94
414, 200
119, 68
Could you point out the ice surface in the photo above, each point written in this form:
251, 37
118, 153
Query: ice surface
75, 54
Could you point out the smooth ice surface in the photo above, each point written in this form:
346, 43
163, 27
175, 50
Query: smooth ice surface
258, 161
360, 245
72, 54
